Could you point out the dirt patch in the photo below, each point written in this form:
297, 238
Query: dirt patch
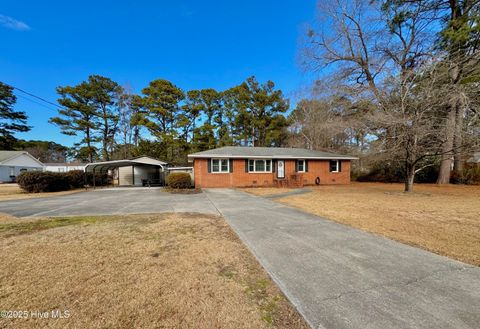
14, 192
442, 219
142, 271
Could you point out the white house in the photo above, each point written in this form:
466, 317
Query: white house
12, 163
63, 167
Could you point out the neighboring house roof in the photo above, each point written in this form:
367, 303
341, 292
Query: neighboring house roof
268, 152
9, 155
64, 164
475, 158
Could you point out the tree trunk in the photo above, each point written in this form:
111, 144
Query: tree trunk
458, 140
106, 130
90, 155
125, 144
136, 135
447, 154
409, 178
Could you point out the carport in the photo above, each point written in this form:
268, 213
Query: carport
141, 171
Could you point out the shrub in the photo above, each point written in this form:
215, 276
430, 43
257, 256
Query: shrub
76, 178
470, 175
383, 172
386, 172
37, 181
179, 180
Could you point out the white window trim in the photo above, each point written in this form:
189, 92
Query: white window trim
338, 166
220, 166
260, 172
304, 163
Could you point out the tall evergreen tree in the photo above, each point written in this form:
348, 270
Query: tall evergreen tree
209, 102
105, 97
79, 117
260, 112
11, 121
161, 102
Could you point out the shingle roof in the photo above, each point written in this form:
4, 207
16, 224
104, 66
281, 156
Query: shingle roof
5, 155
268, 152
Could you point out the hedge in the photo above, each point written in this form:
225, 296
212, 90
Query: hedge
76, 178
179, 180
37, 181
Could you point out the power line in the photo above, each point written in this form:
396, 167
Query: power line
35, 96
36, 102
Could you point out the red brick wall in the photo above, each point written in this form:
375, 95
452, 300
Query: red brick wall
240, 178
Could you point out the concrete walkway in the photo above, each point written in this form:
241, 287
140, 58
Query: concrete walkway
340, 277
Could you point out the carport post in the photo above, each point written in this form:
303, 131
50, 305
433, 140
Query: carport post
133, 175
93, 177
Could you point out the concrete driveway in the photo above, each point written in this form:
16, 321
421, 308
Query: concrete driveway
337, 276
341, 277
110, 201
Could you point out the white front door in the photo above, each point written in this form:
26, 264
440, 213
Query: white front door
280, 169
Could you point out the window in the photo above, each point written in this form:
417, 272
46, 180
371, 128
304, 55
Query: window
12, 171
334, 166
260, 165
220, 166
301, 165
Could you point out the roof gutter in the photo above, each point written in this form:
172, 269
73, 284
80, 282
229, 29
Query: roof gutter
191, 157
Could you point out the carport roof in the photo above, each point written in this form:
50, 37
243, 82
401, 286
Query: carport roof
124, 163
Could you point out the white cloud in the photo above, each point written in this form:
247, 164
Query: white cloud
12, 23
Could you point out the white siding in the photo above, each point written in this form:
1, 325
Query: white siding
63, 168
6, 171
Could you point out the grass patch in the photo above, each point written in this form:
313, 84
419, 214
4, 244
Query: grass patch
14, 192
137, 271
441, 219
26, 226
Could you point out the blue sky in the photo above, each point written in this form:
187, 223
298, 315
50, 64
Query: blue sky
194, 44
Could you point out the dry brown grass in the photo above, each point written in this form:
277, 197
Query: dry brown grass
442, 219
262, 191
142, 271
14, 192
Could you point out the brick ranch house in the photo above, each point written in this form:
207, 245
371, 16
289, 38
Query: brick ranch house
237, 166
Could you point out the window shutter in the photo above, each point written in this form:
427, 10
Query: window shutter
306, 165
230, 165
246, 165
209, 165
296, 165
274, 164
339, 165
